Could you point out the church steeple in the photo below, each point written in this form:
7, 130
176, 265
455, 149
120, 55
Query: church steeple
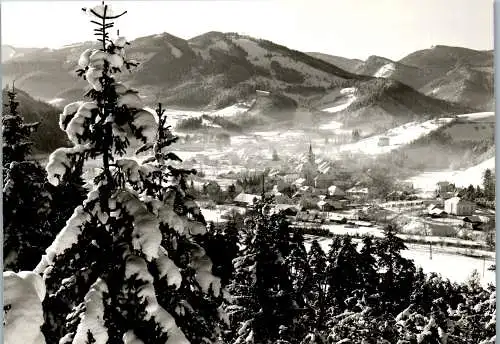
310, 155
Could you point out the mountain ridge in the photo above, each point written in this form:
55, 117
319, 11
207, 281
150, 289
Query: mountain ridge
215, 70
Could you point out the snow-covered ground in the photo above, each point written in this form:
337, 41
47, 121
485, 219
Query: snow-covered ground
348, 100
426, 182
233, 110
385, 71
477, 115
453, 266
55, 101
398, 137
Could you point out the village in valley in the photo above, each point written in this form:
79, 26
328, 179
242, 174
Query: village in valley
226, 189
319, 197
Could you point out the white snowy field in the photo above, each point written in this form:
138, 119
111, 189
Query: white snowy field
455, 267
426, 182
477, 115
455, 244
398, 136
345, 102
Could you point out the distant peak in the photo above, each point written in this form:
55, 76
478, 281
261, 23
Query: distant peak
376, 58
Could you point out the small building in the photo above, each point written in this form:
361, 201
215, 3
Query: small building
459, 206
287, 209
323, 180
290, 177
335, 192
246, 200
336, 218
262, 93
445, 195
299, 182
472, 222
357, 191
435, 211
444, 187
383, 141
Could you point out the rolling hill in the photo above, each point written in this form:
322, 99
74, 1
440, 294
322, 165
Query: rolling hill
216, 70
350, 65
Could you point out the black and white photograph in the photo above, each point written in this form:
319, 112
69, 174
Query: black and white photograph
248, 172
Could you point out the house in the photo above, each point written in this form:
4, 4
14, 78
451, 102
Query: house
446, 195
291, 177
287, 209
246, 200
472, 222
444, 187
337, 218
434, 211
299, 182
335, 192
330, 205
324, 205
383, 141
458, 206
357, 192
323, 180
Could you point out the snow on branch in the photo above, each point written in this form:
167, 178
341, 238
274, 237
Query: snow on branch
168, 269
62, 160
136, 267
23, 294
92, 320
146, 234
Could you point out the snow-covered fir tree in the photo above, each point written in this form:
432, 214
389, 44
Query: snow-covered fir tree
127, 267
26, 201
397, 272
264, 308
34, 211
15, 132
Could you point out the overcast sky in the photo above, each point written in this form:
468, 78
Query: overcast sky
350, 28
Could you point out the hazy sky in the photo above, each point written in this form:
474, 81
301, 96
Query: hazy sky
350, 28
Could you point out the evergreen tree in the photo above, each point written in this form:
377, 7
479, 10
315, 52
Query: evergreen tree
26, 211
34, 211
345, 278
398, 272
26, 201
317, 287
127, 267
368, 266
300, 275
222, 247
489, 185
332, 254
264, 301
16, 133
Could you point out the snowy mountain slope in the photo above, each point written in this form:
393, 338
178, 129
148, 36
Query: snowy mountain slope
426, 182
216, 70
450, 73
383, 103
398, 137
